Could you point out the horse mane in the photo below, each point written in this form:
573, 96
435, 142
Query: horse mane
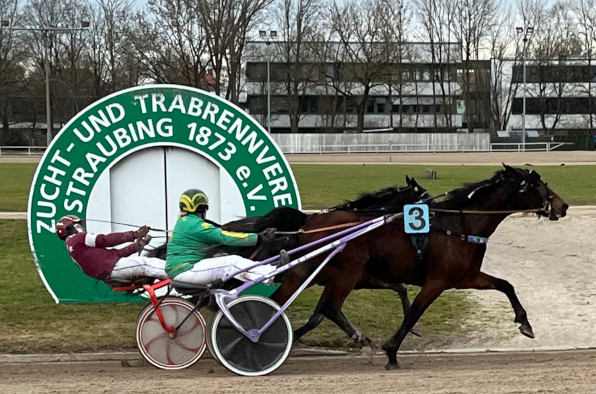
463, 195
371, 198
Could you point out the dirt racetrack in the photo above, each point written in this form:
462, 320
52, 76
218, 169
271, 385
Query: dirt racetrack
447, 158
450, 158
493, 373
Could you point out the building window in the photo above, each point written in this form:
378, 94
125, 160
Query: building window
351, 105
282, 105
380, 104
554, 73
564, 106
406, 75
256, 104
309, 104
376, 105
256, 72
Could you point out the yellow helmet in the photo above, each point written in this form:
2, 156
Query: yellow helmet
193, 199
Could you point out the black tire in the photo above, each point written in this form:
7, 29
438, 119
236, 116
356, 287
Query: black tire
241, 355
171, 351
210, 338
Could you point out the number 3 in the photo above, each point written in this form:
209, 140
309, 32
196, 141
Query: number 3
418, 222
416, 219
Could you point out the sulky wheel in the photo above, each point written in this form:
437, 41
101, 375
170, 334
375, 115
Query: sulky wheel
238, 353
176, 350
210, 338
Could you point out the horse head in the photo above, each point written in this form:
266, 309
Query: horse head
534, 193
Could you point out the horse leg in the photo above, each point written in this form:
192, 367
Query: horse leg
338, 317
428, 294
329, 306
402, 291
484, 281
313, 322
399, 288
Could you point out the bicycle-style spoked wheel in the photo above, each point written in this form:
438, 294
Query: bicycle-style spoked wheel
241, 355
176, 350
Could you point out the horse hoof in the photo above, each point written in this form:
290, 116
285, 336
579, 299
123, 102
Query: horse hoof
366, 342
527, 331
391, 366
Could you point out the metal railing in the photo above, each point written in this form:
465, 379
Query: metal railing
428, 148
384, 148
374, 148
529, 146
22, 150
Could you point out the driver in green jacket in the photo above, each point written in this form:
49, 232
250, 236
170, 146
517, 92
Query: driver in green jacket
185, 259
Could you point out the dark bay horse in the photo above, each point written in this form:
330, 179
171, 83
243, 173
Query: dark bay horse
460, 227
286, 219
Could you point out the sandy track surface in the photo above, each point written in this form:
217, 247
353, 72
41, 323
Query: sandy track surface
552, 266
497, 373
20, 159
480, 158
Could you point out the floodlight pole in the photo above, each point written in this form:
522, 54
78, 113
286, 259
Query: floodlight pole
524, 101
49, 125
45, 31
526, 31
272, 34
268, 94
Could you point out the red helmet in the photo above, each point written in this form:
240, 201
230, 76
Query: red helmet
67, 225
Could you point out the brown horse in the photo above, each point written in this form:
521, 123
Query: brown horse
460, 227
286, 219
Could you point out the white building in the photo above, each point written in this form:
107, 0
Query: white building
560, 98
411, 93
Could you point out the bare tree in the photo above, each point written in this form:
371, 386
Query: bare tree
554, 41
363, 54
227, 24
66, 50
436, 18
299, 21
115, 13
9, 68
395, 20
471, 26
169, 42
585, 14
502, 88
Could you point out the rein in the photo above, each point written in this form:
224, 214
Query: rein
477, 212
124, 224
318, 230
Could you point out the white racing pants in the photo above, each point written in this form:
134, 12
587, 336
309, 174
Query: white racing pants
136, 267
208, 270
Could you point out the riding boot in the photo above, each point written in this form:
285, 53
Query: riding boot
284, 258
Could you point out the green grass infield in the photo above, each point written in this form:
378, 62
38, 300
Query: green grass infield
326, 185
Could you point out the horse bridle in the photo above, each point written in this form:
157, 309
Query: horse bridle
545, 192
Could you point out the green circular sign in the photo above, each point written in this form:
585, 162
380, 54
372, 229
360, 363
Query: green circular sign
128, 157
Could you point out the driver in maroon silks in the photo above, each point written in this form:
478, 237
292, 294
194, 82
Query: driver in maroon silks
89, 251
